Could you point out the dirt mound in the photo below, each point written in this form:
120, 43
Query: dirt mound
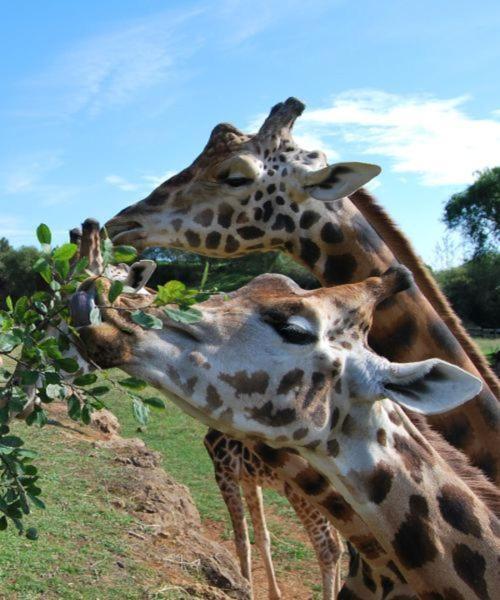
170, 537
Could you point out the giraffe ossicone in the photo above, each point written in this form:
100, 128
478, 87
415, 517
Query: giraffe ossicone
312, 384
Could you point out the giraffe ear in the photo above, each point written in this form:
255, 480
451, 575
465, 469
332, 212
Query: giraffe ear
429, 387
139, 274
339, 180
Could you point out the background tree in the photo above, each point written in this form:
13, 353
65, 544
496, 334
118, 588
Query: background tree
474, 289
16, 271
476, 211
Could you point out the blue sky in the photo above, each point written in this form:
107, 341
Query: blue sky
101, 100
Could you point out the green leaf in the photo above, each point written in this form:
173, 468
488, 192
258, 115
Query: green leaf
32, 533
36, 501
20, 307
155, 401
187, 315
145, 320
133, 383
80, 266
42, 267
99, 390
11, 440
29, 377
124, 254
8, 302
74, 408
62, 268
43, 234
141, 411
115, 290
65, 252
8, 342
172, 292
86, 414
24, 452
67, 364
55, 391
107, 251
86, 379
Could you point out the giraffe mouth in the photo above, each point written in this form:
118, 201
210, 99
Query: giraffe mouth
119, 230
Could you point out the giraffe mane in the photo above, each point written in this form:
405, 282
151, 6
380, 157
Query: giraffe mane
475, 479
402, 249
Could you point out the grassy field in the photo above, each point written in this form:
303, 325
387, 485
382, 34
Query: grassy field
84, 550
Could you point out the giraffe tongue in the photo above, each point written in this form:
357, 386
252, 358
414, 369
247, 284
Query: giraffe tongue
80, 306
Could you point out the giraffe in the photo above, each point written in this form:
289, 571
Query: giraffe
250, 193
313, 385
232, 465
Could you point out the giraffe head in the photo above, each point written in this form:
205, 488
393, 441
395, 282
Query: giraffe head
243, 192
270, 360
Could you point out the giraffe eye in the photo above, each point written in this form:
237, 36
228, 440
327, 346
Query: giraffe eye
290, 331
234, 180
238, 181
295, 334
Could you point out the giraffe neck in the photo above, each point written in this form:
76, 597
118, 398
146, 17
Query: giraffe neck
336, 242
408, 496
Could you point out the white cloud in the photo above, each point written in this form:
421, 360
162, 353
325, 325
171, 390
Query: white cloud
430, 137
144, 184
113, 68
121, 183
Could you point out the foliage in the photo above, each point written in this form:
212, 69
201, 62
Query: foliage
474, 289
16, 274
224, 274
36, 335
476, 211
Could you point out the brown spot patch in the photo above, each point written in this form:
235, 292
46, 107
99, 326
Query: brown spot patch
316, 390
311, 482
335, 417
300, 433
246, 383
412, 455
457, 509
414, 540
382, 437
212, 397
274, 417
232, 245
470, 566
336, 505
205, 217
271, 456
457, 430
348, 425
379, 483
290, 380
340, 269
333, 447
398, 341
367, 545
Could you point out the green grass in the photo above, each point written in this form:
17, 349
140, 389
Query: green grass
488, 345
82, 537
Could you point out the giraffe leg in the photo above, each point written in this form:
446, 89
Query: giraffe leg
324, 539
227, 480
253, 497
